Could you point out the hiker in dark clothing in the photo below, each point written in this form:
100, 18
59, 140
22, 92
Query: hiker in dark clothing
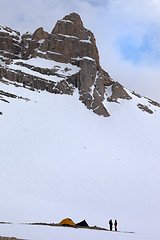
115, 225
110, 224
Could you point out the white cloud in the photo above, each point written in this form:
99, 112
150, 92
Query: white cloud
136, 20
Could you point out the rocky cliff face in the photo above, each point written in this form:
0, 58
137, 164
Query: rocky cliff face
59, 62
10, 46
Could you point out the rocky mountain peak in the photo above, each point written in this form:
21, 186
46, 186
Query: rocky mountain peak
69, 41
72, 25
60, 62
74, 18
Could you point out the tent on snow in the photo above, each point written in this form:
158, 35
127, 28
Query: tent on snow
67, 222
82, 224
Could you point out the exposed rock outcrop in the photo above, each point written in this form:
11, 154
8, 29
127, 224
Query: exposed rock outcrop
10, 46
144, 108
118, 92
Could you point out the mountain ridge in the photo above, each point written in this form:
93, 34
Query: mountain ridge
69, 43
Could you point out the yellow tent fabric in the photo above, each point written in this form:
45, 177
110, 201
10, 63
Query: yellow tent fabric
67, 221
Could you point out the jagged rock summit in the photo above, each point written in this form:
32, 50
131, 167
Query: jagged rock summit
61, 62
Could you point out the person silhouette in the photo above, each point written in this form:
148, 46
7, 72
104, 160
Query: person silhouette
110, 224
115, 225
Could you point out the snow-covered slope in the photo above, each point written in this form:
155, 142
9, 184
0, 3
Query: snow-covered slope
60, 160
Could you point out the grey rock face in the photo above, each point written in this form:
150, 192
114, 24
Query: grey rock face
69, 42
118, 91
144, 108
10, 46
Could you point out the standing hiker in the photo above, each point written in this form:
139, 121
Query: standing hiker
110, 224
115, 225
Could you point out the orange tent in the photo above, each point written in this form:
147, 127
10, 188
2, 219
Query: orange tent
67, 221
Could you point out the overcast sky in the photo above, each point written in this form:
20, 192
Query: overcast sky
127, 34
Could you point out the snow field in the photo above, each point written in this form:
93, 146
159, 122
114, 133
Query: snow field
63, 69
60, 160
